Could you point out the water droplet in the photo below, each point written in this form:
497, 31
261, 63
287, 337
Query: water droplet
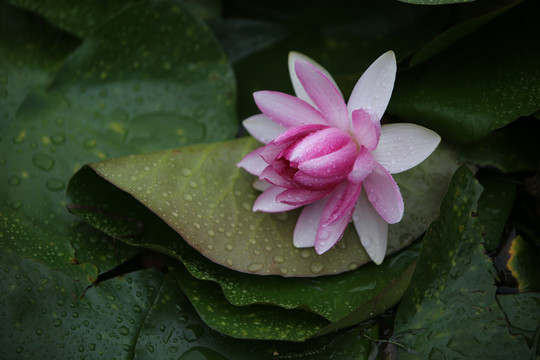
210, 246
57, 322
366, 241
229, 261
268, 248
229, 247
192, 184
197, 225
186, 172
353, 266
372, 198
246, 206
324, 234
39, 332
316, 267
123, 330
284, 271
188, 197
14, 181
305, 253
54, 184
278, 259
43, 161
58, 138
254, 267
136, 308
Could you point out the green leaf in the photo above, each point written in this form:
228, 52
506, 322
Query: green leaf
263, 322
517, 263
78, 18
122, 217
523, 314
200, 192
462, 29
452, 286
479, 84
510, 149
49, 131
494, 208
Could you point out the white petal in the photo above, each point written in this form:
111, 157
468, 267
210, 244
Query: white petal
403, 146
262, 128
298, 88
253, 163
266, 202
307, 224
373, 90
371, 228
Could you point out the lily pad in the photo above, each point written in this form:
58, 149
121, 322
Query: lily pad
121, 216
199, 192
453, 285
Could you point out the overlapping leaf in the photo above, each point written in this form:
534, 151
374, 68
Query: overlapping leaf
479, 84
452, 286
201, 193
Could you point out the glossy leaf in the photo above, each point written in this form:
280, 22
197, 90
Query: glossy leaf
49, 131
119, 215
494, 207
511, 149
480, 84
201, 193
461, 30
452, 286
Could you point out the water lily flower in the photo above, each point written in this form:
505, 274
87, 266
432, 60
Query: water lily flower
333, 157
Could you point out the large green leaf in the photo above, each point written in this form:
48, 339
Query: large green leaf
144, 315
479, 84
121, 216
89, 113
452, 286
201, 193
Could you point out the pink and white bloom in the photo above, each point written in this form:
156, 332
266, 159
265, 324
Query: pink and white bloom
334, 158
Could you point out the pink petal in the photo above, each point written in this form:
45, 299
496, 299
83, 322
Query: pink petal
384, 194
403, 146
319, 143
340, 203
272, 176
324, 94
297, 133
262, 128
266, 202
316, 182
328, 236
371, 228
366, 129
372, 92
338, 162
253, 163
299, 197
307, 224
298, 88
287, 110
363, 165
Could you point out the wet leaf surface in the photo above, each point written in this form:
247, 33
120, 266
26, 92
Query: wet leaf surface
479, 84
200, 193
453, 285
